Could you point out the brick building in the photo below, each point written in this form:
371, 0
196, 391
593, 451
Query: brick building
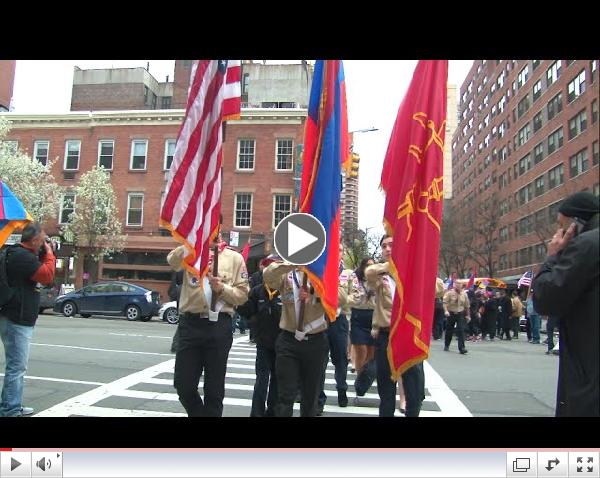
527, 137
7, 79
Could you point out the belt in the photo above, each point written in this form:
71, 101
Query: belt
190, 315
306, 337
384, 329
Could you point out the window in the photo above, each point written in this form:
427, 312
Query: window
538, 153
139, 150
577, 124
504, 234
165, 102
594, 111
539, 186
285, 149
135, 209
67, 206
169, 153
537, 122
525, 226
153, 101
145, 95
594, 70
523, 106
579, 163
243, 210
503, 207
12, 146
106, 150
245, 83
524, 164
553, 73
595, 153
282, 206
72, 151
40, 151
540, 218
246, 154
523, 76
535, 64
525, 194
537, 90
576, 87
554, 106
553, 212
555, 141
556, 176
503, 154
500, 80
524, 134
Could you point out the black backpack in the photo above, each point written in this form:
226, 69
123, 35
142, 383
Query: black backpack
6, 291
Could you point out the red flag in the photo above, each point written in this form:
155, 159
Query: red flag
412, 178
192, 201
246, 251
471, 279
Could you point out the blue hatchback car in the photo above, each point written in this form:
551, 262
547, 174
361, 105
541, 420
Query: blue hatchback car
110, 298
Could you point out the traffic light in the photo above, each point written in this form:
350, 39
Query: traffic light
354, 166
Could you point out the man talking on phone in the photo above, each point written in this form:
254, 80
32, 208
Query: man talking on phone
567, 287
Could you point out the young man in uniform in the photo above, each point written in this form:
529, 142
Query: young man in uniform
379, 279
204, 342
300, 354
457, 310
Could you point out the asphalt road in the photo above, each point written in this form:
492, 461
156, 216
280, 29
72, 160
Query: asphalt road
103, 366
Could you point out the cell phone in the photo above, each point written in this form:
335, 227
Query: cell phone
579, 225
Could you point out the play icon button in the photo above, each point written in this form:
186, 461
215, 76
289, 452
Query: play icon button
300, 239
14, 464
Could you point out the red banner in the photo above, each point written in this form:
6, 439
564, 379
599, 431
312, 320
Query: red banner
412, 179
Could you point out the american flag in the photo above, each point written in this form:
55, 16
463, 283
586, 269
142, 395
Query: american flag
192, 201
525, 280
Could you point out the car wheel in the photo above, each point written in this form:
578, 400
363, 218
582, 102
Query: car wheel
146, 318
132, 312
69, 309
171, 315
86, 316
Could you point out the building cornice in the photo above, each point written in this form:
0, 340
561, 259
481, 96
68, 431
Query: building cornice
87, 119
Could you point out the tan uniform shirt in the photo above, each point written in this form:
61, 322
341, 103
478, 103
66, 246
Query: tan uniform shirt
344, 290
280, 276
379, 280
359, 297
456, 303
439, 288
232, 272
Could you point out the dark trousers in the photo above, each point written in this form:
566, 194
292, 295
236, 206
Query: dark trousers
203, 347
551, 324
505, 324
299, 365
488, 326
438, 322
266, 381
413, 381
337, 337
458, 320
175, 343
514, 323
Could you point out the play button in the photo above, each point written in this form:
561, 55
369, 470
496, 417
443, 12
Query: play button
300, 239
14, 464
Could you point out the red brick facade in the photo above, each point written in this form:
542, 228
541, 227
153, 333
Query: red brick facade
7, 79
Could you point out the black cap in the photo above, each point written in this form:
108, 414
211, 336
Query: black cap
582, 205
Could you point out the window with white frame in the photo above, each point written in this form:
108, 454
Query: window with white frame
67, 206
579, 163
524, 134
285, 155
553, 73
282, 206
594, 70
139, 153
12, 146
576, 87
555, 140
594, 111
169, 153
537, 90
106, 153
135, 209
538, 153
500, 80
246, 149
577, 124
243, 210
556, 176
523, 76
40, 151
523, 106
524, 164
535, 64
539, 186
537, 122
554, 106
72, 152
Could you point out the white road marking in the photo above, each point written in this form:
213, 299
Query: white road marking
441, 393
62, 380
93, 349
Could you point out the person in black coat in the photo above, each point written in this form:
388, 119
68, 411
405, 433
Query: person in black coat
489, 316
504, 314
567, 287
174, 293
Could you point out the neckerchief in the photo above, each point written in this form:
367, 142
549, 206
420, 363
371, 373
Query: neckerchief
271, 293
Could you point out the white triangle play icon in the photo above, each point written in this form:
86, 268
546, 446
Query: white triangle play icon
298, 239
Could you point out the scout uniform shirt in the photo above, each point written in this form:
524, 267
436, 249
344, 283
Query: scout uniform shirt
285, 278
358, 298
233, 275
379, 279
344, 290
456, 303
439, 288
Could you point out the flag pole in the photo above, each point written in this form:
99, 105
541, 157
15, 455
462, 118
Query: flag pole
302, 303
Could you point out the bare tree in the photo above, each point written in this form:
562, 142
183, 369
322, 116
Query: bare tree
485, 219
456, 241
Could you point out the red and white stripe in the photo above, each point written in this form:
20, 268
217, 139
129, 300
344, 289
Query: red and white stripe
192, 201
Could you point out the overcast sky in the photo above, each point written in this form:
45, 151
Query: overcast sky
374, 88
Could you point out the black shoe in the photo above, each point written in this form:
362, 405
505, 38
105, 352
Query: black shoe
319, 411
446, 348
342, 398
463, 351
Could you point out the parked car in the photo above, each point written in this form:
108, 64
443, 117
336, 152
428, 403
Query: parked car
168, 312
110, 298
48, 296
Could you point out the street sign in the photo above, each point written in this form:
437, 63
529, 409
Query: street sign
234, 238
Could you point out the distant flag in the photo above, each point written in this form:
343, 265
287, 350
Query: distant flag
471, 279
412, 179
192, 202
451, 280
325, 153
246, 250
525, 280
13, 215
